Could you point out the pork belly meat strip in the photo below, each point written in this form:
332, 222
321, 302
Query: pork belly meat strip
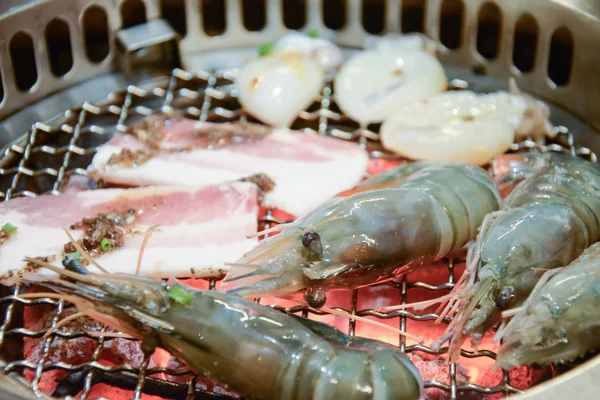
307, 169
200, 228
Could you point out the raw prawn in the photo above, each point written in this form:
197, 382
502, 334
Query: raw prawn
561, 318
374, 83
253, 349
389, 179
369, 237
276, 87
545, 223
465, 126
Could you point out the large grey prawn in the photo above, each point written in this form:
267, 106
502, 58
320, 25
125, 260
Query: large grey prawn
371, 236
546, 222
255, 350
560, 320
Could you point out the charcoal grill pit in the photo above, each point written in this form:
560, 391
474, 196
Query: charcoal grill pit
58, 143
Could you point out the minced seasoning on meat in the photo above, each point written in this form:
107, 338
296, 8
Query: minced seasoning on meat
264, 183
3, 236
150, 129
103, 233
129, 158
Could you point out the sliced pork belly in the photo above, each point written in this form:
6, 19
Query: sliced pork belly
199, 228
306, 169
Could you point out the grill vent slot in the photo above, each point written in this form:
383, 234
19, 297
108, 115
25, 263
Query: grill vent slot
526, 41
488, 31
58, 42
373, 16
133, 12
413, 16
451, 23
95, 32
213, 17
294, 13
254, 12
561, 56
23, 61
174, 12
334, 14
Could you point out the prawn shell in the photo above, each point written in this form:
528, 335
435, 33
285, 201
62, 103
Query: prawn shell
547, 222
372, 236
563, 319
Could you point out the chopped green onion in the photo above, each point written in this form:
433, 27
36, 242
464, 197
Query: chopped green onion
178, 294
75, 255
265, 49
9, 228
105, 244
313, 33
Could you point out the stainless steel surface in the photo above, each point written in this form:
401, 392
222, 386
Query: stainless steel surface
99, 96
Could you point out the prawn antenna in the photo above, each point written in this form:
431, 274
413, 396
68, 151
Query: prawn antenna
276, 228
63, 322
419, 305
149, 233
243, 276
64, 272
346, 314
111, 335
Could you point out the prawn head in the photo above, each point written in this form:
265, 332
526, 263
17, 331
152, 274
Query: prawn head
355, 241
548, 342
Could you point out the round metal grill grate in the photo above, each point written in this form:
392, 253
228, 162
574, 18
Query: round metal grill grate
65, 146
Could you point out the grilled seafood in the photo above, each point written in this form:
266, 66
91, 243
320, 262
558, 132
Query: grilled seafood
276, 87
369, 237
560, 319
545, 223
256, 350
372, 84
465, 126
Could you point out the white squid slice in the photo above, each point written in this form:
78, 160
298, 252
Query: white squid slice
277, 87
374, 83
321, 50
397, 42
464, 126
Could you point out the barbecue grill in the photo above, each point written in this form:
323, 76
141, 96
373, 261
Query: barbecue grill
74, 72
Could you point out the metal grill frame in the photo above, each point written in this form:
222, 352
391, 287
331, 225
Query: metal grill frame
210, 88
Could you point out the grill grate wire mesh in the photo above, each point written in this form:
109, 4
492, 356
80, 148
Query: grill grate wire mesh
52, 152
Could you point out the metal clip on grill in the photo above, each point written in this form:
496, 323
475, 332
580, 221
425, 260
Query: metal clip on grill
72, 73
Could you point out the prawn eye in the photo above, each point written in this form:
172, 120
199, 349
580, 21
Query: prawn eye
315, 296
312, 241
504, 297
